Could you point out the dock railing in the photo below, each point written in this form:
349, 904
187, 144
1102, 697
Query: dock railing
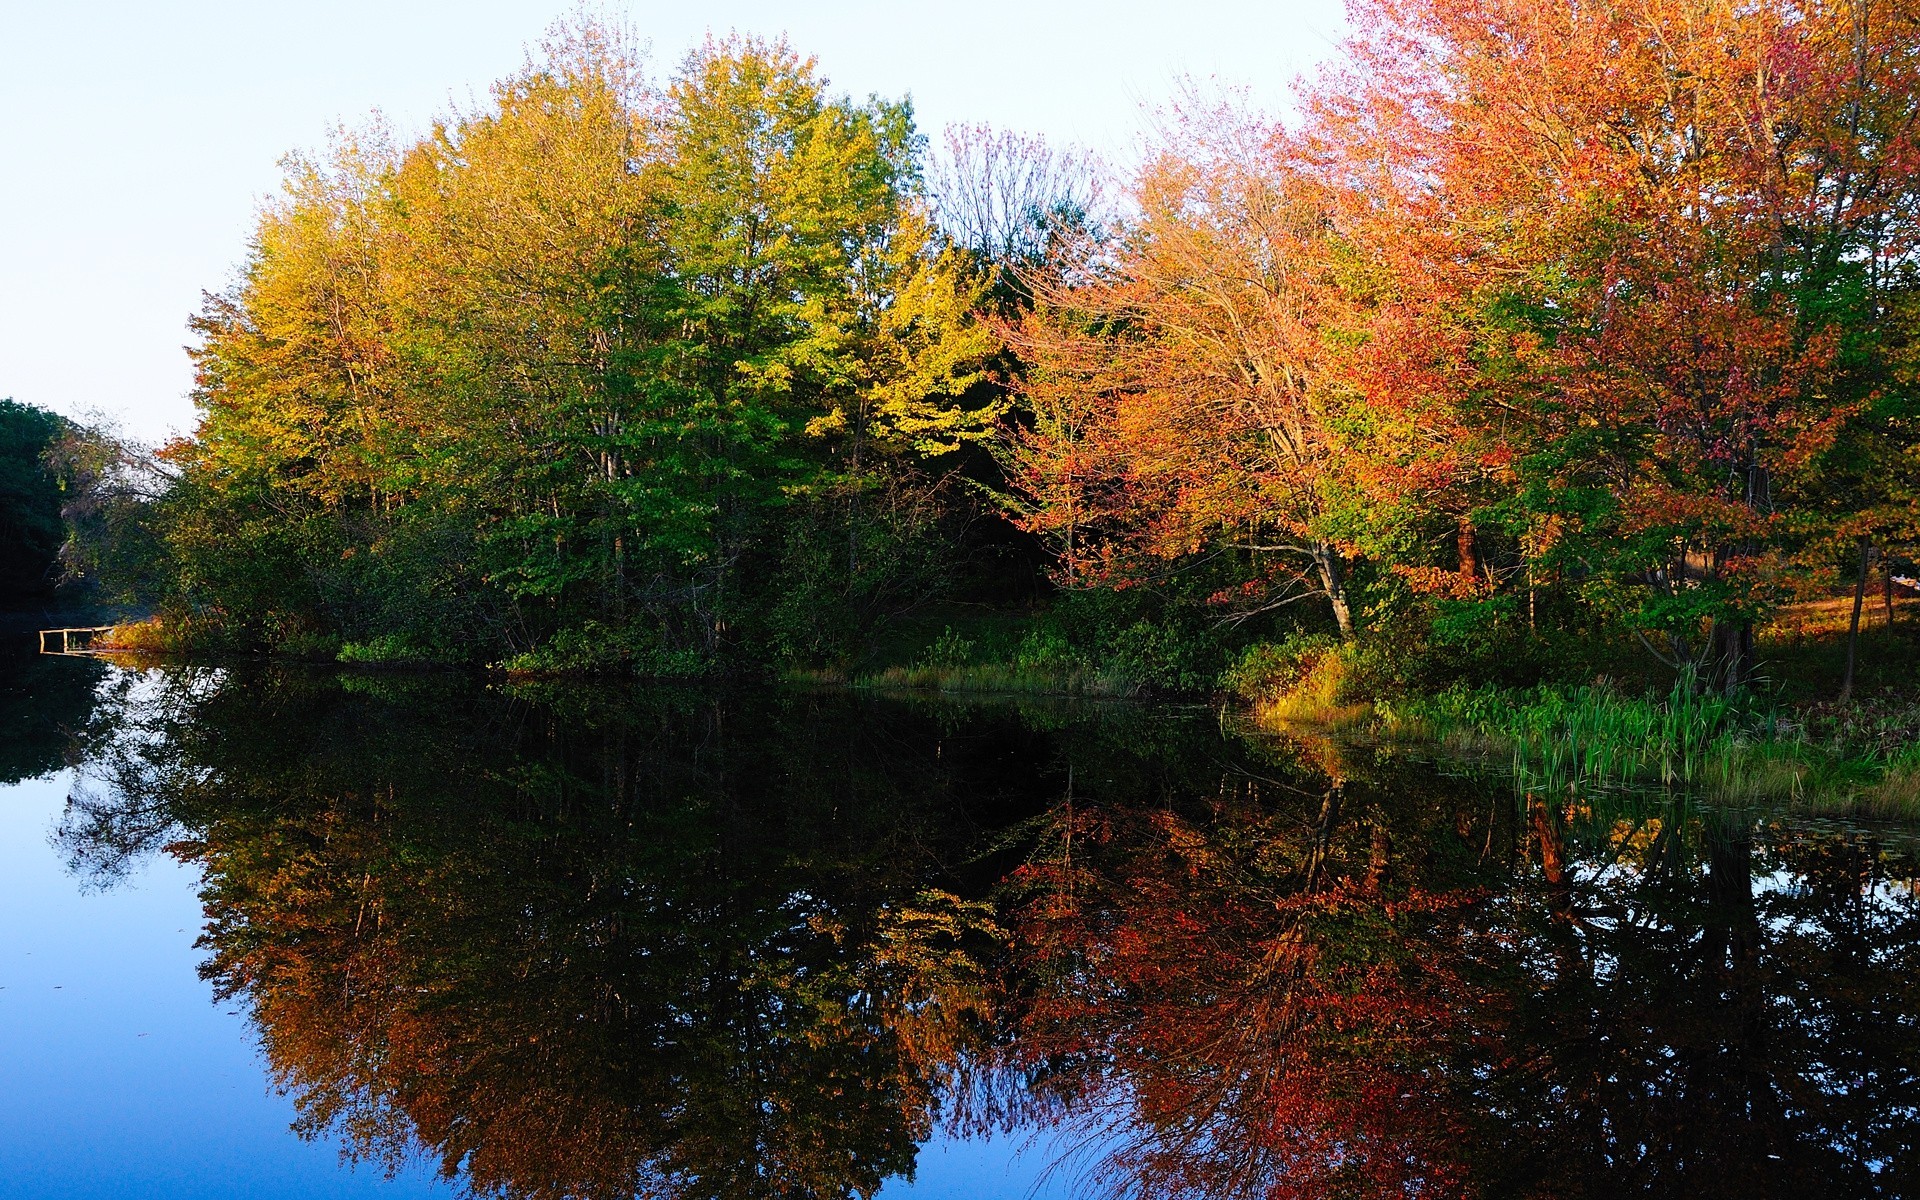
76, 640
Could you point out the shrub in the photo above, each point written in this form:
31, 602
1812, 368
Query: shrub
395, 649
1158, 656
151, 636
1045, 648
948, 650
598, 648
1266, 671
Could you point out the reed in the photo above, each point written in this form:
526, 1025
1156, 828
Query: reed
1585, 741
1005, 678
1896, 795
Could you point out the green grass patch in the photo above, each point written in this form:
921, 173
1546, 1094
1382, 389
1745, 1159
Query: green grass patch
1840, 760
1008, 678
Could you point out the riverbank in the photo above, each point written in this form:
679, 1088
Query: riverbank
1790, 741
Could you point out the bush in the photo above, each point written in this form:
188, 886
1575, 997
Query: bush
1265, 671
598, 648
1309, 678
947, 650
151, 636
310, 644
1045, 648
395, 649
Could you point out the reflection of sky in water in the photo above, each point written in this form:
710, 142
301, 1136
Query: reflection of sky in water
120, 1078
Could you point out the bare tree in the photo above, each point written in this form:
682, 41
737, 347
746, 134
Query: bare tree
1008, 197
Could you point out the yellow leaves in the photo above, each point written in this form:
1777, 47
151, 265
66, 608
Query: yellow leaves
833, 422
931, 350
1634, 841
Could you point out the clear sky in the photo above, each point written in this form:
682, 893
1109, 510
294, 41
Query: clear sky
137, 138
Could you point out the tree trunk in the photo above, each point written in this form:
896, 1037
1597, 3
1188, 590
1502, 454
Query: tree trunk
1853, 626
1379, 854
1547, 836
1469, 558
1532, 617
1737, 642
1332, 569
1739, 633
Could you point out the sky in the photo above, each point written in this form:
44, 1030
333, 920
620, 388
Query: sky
137, 139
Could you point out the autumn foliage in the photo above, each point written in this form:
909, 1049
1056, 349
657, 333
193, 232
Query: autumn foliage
1534, 327
1579, 301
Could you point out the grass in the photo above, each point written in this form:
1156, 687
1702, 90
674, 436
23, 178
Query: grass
1896, 795
1015, 659
1848, 760
1006, 678
1791, 745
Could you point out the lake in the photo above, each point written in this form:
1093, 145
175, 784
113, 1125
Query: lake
285, 932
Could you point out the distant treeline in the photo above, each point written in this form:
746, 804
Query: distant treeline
33, 487
1537, 323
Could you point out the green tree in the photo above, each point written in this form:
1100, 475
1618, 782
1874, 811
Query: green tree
31, 492
568, 371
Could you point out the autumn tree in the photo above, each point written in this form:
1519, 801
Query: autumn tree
1667, 231
1182, 375
559, 372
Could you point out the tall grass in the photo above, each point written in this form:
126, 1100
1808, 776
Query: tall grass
1008, 678
1587, 740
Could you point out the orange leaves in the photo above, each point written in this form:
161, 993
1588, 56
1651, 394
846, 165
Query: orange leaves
1180, 375
1635, 244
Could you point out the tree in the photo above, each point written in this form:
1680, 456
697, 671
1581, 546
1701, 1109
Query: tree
1010, 200
31, 491
1668, 230
557, 373
1183, 377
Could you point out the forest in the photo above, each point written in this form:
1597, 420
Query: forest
1533, 344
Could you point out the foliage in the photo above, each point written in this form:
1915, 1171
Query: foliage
1267, 670
1538, 334
32, 489
1570, 321
599, 350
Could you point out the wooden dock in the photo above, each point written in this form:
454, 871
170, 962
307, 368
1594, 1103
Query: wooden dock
78, 640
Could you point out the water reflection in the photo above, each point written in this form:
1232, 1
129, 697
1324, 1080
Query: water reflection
44, 702
582, 943
1390, 994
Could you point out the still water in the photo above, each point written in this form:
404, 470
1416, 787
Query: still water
289, 933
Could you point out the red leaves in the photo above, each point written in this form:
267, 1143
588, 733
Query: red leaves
1615, 273
1265, 1016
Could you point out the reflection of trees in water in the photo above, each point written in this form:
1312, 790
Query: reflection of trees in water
1249, 990
583, 945
594, 947
44, 699
1376, 991
1724, 1009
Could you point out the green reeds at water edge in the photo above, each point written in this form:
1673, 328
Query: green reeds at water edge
1593, 739
1010, 679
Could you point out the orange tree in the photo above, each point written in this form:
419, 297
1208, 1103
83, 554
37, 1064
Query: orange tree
1182, 377
1664, 234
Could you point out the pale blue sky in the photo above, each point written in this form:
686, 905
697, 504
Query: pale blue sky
137, 138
